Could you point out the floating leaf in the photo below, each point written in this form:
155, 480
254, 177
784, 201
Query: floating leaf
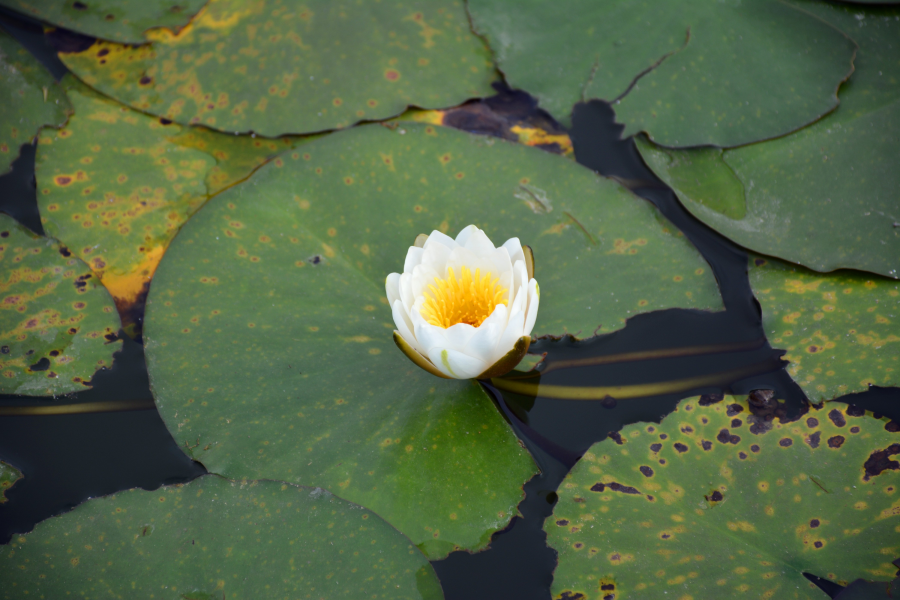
115, 185
716, 502
826, 196
118, 20
58, 325
269, 340
9, 475
214, 538
839, 330
274, 68
689, 73
30, 97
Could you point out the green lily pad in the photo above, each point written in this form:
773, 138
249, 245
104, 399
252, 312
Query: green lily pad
277, 69
825, 196
688, 73
839, 330
58, 325
115, 184
213, 538
118, 20
31, 99
9, 475
269, 339
715, 503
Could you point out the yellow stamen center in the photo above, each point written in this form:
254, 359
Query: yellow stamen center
466, 299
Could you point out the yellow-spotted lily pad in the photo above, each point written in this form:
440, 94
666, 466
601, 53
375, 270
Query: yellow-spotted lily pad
716, 502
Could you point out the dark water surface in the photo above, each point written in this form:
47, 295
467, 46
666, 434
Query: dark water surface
69, 458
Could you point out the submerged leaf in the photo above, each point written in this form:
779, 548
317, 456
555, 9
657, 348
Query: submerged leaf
825, 196
58, 325
214, 538
274, 67
29, 99
716, 501
839, 329
119, 20
9, 475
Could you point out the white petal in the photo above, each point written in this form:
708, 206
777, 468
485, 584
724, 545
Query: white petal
521, 274
404, 325
406, 293
456, 364
461, 257
507, 341
520, 302
464, 234
422, 277
413, 259
457, 337
514, 247
392, 287
435, 257
534, 295
477, 242
483, 344
437, 237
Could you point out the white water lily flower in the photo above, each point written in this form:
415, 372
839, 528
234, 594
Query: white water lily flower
464, 308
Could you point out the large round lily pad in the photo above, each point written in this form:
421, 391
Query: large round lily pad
29, 99
688, 73
269, 339
825, 196
115, 184
213, 538
839, 329
276, 67
58, 325
119, 20
717, 503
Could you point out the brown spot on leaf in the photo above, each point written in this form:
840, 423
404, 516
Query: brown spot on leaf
891, 426
854, 429
836, 441
786, 442
716, 496
837, 418
742, 455
736, 422
709, 399
655, 447
724, 437
707, 445
616, 437
687, 429
855, 411
734, 409
562, 522
812, 422
814, 439
646, 471
880, 461
754, 449
814, 523
680, 448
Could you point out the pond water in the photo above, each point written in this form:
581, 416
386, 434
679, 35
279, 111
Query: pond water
68, 458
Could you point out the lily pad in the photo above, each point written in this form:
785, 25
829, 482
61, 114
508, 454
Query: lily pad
839, 330
115, 185
688, 73
118, 20
214, 538
825, 196
30, 96
9, 475
277, 68
58, 325
268, 334
715, 502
